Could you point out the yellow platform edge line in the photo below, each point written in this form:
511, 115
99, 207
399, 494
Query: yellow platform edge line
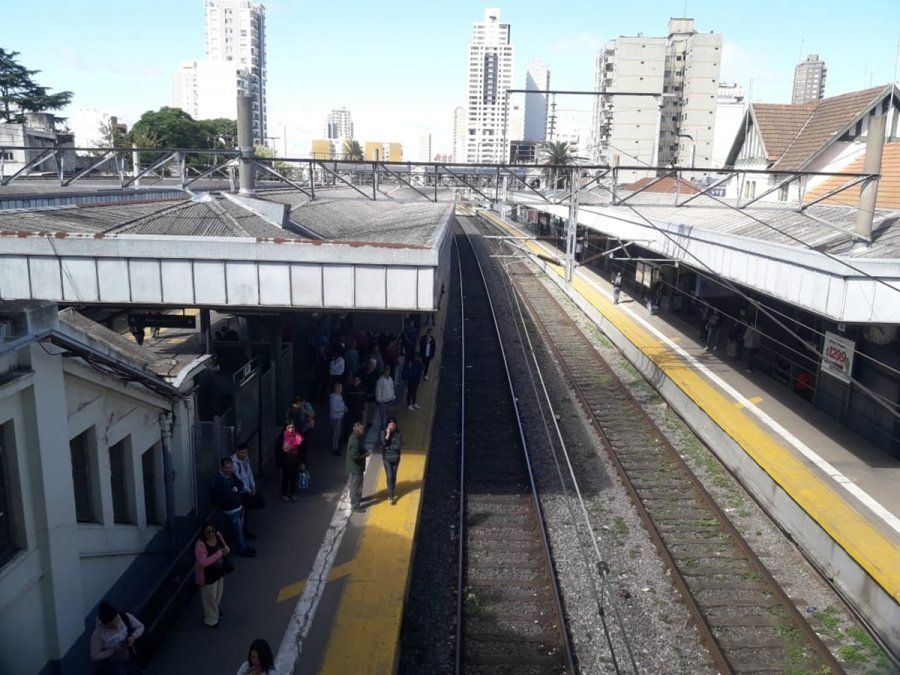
853, 532
365, 633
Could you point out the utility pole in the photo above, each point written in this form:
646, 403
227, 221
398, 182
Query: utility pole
572, 226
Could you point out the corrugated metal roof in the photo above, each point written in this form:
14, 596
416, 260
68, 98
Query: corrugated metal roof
767, 222
212, 216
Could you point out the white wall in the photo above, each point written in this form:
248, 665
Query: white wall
64, 568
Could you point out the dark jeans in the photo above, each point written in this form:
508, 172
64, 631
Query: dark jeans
412, 388
251, 503
354, 485
236, 525
390, 474
289, 478
426, 363
751, 357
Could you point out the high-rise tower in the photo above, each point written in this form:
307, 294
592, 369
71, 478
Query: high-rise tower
809, 80
490, 75
236, 32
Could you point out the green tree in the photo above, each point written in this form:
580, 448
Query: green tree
266, 152
20, 94
172, 128
222, 132
353, 150
557, 154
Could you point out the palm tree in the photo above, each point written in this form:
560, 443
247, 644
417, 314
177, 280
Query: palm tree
556, 154
353, 150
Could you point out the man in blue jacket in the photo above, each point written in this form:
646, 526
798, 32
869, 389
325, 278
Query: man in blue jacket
226, 495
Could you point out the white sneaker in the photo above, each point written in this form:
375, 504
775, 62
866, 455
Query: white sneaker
416, 406
409, 407
426, 377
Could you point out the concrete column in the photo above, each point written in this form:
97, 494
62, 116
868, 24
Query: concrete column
135, 164
245, 144
865, 213
54, 505
165, 425
572, 227
205, 331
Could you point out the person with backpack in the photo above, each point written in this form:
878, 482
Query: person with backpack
113, 639
210, 568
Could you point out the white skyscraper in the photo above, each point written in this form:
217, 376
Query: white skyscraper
236, 33
730, 108
677, 126
460, 131
425, 150
339, 125
490, 75
537, 78
207, 88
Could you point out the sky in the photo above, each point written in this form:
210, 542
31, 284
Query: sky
400, 66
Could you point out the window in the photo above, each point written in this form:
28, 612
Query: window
119, 483
148, 467
81, 477
8, 545
4, 154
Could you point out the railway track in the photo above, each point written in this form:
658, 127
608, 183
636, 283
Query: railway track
745, 618
509, 612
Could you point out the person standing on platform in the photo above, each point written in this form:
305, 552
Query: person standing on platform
752, 343
392, 442
113, 639
336, 368
370, 381
250, 498
226, 495
712, 331
384, 396
414, 371
291, 443
617, 287
427, 350
209, 572
356, 466
356, 402
337, 412
259, 660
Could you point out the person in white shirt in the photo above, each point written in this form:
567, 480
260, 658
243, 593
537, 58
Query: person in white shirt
338, 410
336, 368
384, 396
259, 660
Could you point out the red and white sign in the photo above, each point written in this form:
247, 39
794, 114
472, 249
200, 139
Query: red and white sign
837, 356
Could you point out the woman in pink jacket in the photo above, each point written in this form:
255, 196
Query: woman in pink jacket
293, 458
209, 572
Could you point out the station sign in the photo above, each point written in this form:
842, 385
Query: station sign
837, 356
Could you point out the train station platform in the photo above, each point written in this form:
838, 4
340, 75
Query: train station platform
328, 585
833, 492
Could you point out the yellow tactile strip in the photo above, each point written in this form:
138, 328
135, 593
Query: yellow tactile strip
365, 635
865, 543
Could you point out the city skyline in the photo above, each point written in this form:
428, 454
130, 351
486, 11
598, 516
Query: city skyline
393, 99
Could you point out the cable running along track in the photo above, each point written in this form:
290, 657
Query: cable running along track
745, 618
509, 613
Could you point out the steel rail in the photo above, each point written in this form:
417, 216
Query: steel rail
547, 554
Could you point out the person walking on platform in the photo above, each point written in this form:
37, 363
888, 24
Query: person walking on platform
427, 350
210, 567
752, 343
293, 458
413, 377
391, 442
356, 466
337, 412
226, 495
259, 660
250, 498
336, 368
356, 402
617, 288
384, 396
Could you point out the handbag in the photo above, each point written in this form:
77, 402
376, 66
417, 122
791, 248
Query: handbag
227, 566
303, 480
